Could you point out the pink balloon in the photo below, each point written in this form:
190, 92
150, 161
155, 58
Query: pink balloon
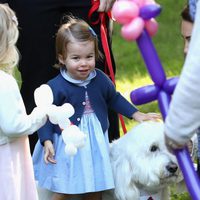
125, 11
133, 30
140, 3
146, 2
151, 26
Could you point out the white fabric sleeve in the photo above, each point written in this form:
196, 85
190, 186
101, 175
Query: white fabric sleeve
184, 113
13, 118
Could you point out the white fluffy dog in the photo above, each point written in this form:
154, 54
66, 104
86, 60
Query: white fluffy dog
142, 166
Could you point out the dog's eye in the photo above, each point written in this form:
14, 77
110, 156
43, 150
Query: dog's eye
154, 148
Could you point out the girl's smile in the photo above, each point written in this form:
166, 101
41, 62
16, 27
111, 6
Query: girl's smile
80, 59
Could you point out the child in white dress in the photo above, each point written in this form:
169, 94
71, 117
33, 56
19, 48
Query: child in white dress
16, 169
91, 93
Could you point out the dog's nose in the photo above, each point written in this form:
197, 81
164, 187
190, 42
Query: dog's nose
172, 167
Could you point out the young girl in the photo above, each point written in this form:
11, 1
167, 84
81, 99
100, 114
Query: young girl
16, 169
91, 93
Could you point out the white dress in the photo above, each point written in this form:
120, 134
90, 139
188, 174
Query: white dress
16, 169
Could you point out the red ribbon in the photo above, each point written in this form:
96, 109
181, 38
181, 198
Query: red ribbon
104, 32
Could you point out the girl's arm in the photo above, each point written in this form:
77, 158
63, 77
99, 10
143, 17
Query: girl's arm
121, 105
14, 121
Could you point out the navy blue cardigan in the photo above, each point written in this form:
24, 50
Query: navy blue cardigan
102, 94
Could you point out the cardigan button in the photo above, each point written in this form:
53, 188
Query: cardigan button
84, 103
78, 119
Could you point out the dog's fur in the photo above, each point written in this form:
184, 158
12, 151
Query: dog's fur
142, 165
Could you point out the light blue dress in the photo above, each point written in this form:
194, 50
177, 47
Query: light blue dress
89, 170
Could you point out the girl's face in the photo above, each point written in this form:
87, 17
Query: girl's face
80, 60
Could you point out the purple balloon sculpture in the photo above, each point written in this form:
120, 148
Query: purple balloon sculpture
164, 96
161, 91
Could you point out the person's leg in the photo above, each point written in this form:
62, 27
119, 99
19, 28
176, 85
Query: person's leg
38, 23
93, 196
113, 131
58, 196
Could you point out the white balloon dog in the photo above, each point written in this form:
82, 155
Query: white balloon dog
71, 134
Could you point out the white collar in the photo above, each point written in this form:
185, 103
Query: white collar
66, 76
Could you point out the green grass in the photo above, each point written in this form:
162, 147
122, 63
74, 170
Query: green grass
131, 70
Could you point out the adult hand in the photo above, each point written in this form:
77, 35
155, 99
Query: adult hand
172, 145
105, 5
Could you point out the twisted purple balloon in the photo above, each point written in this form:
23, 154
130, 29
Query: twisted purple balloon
162, 90
166, 88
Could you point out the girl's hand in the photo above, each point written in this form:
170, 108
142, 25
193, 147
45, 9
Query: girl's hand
49, 152
140, 117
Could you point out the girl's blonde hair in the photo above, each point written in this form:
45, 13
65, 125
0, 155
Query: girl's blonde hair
74, 30
9, 33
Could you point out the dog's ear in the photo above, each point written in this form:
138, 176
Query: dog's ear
125, 188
